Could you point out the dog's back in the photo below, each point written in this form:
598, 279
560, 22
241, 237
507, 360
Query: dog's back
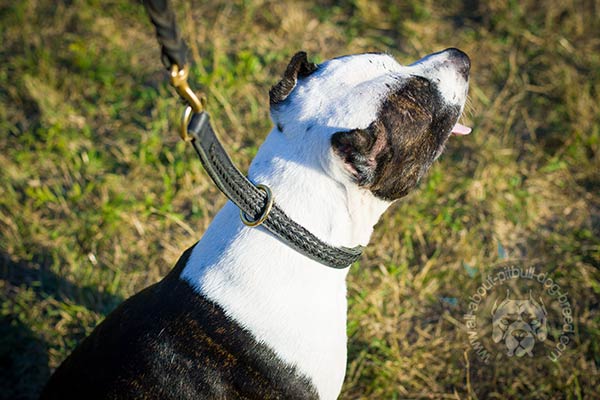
170, 342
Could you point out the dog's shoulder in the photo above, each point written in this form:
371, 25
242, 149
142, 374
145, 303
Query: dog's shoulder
168, 341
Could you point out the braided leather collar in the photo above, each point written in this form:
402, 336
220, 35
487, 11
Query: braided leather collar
252, 200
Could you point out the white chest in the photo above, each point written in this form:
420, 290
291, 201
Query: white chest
292, 304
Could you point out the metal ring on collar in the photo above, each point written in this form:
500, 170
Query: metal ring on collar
265, 212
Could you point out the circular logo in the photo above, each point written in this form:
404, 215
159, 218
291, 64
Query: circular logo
518, 312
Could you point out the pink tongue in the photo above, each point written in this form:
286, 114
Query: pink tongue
460, 130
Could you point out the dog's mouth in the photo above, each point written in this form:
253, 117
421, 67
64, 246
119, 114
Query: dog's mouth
460, 130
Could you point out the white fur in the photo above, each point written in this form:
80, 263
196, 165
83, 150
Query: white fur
286, 300
438, 68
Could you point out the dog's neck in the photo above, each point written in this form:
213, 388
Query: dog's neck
312, 186
293, 304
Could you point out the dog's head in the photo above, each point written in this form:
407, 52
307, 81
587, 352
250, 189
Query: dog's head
519, 323
369, 120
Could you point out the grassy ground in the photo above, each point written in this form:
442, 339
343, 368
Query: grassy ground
98, 197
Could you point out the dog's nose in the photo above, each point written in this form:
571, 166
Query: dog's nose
460, 59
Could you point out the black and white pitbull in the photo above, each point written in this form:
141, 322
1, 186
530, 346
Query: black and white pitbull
242, 315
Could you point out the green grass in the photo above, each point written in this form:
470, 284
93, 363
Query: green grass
98, 197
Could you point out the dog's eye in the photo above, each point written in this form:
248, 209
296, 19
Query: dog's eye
504, 321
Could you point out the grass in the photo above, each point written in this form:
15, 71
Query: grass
98, 197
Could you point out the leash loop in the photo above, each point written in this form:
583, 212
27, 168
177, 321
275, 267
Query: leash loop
265, 212
173, 48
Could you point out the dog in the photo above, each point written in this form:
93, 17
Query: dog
519, 323
242, 315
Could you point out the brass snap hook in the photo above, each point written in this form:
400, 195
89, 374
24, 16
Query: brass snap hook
179, 82
265, 212
195, 104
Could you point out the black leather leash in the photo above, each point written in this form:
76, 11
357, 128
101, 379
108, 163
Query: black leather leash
255, 202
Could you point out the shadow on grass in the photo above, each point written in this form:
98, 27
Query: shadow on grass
36, 274
24, 359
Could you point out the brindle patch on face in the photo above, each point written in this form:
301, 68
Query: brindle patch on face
396, 150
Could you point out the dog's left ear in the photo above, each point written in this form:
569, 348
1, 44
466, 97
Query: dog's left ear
299, 67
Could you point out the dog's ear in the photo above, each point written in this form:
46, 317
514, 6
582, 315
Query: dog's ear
299, 67
358, 149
